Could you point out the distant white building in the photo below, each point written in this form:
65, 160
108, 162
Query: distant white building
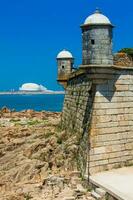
32, 87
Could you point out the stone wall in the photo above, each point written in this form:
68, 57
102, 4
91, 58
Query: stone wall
111, 134
76, 114
98, 108
97, 45
64, 68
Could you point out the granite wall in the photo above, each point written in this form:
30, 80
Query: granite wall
111, 134
76, 114
64, 68
98, 109
97, 45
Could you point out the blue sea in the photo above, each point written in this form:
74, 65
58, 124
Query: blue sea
47, 102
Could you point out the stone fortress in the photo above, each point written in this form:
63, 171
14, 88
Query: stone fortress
98, 106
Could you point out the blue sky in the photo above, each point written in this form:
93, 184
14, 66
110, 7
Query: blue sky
32, 32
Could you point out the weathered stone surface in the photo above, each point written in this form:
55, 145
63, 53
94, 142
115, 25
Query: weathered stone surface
97, 45
102, 119
37, 158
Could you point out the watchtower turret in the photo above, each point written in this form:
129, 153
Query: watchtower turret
65, 63
97, 40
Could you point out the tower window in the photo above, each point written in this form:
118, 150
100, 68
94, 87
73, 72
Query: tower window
93, 42
63, 67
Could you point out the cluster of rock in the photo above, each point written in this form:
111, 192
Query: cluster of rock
122, 59
37, 159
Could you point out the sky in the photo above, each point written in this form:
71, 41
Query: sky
32, 32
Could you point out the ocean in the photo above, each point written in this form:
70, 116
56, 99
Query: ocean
47, 102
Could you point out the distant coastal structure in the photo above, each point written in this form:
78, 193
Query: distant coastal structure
32, 87
98, 106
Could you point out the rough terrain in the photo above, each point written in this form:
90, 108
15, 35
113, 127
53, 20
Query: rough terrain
37, 159
123, 59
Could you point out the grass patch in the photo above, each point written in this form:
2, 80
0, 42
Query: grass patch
27, 197
14, 120
58, 128
48, 134
129, 164
59, 140
33, 122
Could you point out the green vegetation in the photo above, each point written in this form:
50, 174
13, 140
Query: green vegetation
58, 128
27, 197
59, 140
14, 120
33, 122
129, 164
48, 134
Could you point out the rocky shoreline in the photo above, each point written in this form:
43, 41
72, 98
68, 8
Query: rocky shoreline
37, 159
